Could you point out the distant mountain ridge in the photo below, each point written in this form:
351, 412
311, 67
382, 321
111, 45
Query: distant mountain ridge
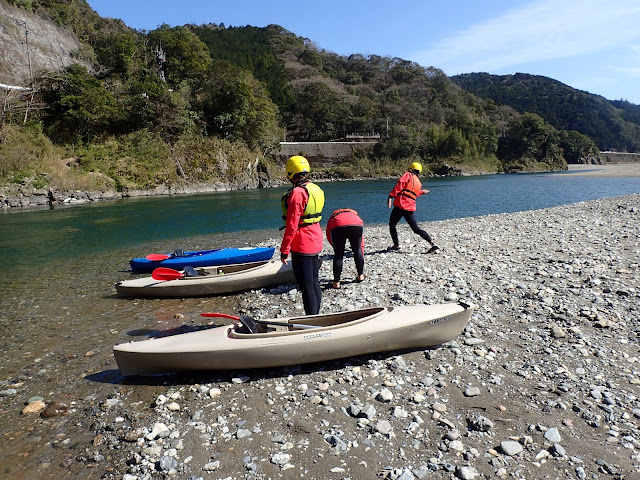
613, 125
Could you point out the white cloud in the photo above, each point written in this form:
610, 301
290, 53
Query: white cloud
541, 30
630, 71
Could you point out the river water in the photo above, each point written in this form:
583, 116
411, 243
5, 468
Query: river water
60, 316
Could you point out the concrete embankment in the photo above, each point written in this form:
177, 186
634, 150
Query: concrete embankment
619, 157
322, 153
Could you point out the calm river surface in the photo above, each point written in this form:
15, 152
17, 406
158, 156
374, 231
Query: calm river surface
60, 317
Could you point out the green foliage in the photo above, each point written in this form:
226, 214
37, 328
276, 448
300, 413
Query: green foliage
531, 140
612, 125
311, 57
20, 150
577, 147
81, 109
116, 51
212, 159
187, 57
237, 106
150, 104
74, 14
230, 93
319, 113
363, 166
27, 157
630, 111
254, 49
139, 160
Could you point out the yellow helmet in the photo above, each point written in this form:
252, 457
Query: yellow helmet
415, 166
297, 164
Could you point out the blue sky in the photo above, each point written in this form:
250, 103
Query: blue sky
590, 45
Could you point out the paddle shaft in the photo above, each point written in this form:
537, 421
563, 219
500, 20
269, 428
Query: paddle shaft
264, 322
285, 324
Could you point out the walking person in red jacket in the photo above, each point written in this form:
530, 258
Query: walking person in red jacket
302, 211
345, 224
403, 198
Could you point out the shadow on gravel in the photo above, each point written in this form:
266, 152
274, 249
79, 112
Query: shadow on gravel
150, 333
245, 376
384, 250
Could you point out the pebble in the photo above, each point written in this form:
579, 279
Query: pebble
34, 407
55, 409
471, 392
552, 435
511, 447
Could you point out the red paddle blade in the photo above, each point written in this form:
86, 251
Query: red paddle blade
157, 256
221, 315
163, 273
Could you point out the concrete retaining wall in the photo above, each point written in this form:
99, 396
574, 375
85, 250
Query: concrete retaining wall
619, 157
322, 153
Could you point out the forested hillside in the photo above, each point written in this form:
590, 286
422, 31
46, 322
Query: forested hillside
206, 103
613, 125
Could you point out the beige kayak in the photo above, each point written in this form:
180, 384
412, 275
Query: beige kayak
216, 280
296, 340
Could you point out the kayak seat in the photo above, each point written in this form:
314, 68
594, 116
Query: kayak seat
248, 324
191, 272
178, 252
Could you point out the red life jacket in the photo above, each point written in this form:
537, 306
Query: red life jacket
407, 189
412, 188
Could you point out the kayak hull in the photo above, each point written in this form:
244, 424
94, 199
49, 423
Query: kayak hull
204, 258
218, 280
337, 335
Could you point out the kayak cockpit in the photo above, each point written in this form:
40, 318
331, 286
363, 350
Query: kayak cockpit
248, 327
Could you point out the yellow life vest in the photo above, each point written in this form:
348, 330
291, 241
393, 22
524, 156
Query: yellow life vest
313, 209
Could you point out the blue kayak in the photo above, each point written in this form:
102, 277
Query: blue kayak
203, 258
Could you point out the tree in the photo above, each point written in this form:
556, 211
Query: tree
530, 139
325, 113
187, 57
80, 107
237, 106
577, 147
150, 104
116, 52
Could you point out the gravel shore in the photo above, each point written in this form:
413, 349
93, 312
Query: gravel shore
544, 383
607, 170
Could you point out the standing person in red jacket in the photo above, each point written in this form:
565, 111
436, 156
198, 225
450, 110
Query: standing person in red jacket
345, 224
302, 210
403, 198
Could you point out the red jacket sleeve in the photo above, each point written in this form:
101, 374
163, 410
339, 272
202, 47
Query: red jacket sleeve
400, 184
297, 201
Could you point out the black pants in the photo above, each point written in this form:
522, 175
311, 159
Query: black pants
306, 270
396, 214
339, 237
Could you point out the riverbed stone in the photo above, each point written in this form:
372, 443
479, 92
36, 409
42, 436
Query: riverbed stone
34, 407
511, 447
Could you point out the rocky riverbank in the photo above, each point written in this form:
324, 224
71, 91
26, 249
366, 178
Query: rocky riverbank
544, 383
40, 197
25, 196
